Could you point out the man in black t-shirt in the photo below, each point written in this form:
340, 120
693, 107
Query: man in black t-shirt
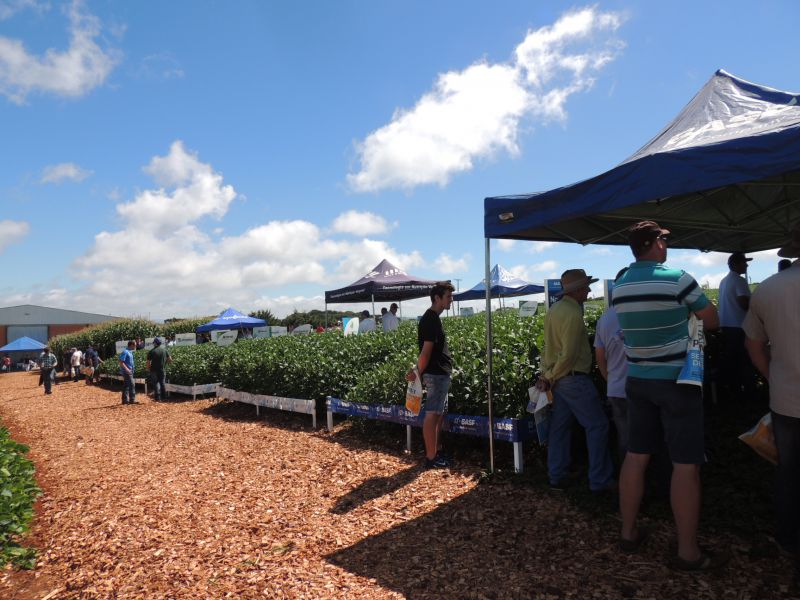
435, 365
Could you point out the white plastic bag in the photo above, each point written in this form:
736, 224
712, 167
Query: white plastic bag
692, 371
414, 394
541, 405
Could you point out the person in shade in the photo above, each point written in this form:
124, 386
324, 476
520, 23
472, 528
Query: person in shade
653, 304
772, 327
390, 320
435, 366
126, 369
47, 364
157, 360
366, 323
738, 377
566, 364
609, 351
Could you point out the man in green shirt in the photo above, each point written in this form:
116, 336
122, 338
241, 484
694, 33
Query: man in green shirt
157, 360
566, 363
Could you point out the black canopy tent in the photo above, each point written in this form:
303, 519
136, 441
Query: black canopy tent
724, 176
384, 283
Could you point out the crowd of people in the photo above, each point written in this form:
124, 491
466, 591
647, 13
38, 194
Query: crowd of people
640, 346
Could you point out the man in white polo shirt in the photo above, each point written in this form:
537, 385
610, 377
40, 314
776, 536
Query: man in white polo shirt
734, 300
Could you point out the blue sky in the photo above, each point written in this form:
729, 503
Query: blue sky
176, 158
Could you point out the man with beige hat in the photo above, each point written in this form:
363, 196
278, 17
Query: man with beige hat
566, 363
772, 327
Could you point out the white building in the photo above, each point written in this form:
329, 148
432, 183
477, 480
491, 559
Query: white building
41, 322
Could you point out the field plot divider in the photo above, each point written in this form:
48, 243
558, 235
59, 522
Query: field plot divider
193, 390
298, 405
139, 380
515, 431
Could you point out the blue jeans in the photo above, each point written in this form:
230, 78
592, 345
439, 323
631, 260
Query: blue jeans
128, 388
787, 480
159, 379
576, 397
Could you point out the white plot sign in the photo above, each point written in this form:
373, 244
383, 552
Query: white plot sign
120, 346
185, 339
225, 337
528, 308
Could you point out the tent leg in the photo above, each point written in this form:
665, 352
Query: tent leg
373, 306
489, 355
408, 439
518, 460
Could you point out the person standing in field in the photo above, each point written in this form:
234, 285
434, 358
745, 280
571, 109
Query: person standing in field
47, 363
609, 351
772, 327
738, 378
157, 360
435, 366
653, 304
390, 320
566, 364
76, 360
126, 369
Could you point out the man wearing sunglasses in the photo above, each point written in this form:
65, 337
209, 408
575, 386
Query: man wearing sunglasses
653, 303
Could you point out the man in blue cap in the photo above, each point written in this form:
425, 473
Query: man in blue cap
157, 360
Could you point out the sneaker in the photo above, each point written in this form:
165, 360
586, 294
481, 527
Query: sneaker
436, 463
442, 458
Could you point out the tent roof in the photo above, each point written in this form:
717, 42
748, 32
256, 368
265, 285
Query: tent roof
23, 344
724, 175
231, 319
504, 285
384, 283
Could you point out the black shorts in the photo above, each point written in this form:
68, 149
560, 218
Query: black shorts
660, 409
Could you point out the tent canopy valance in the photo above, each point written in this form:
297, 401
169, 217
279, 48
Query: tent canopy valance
231, 319
384, 283
504, 285
724, 175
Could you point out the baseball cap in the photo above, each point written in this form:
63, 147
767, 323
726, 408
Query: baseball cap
737, 257
642, 235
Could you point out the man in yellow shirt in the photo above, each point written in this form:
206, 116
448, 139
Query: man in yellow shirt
566, 363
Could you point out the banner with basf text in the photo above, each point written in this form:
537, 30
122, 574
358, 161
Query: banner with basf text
552, 290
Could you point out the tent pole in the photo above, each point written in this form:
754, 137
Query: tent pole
373, 305
326, 315
489, 358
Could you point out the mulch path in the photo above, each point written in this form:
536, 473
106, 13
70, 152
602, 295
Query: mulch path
202, 499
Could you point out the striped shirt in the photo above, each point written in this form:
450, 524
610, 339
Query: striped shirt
653, 303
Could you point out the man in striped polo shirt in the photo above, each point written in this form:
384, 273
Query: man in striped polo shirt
653, 303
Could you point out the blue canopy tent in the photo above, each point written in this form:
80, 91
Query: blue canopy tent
504, 285
231, 319
23, 344
723, 176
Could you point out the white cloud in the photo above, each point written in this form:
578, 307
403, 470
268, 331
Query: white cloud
62, 172
537, 247
448, 265
73, 72
477, 113
196, 191
161, 66
506, 245
162, 262
535, 273
712, 280
8, 8
11, 232
360, 223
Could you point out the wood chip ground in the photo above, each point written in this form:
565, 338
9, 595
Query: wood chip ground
202, 499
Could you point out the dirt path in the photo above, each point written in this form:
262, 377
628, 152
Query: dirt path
203, 500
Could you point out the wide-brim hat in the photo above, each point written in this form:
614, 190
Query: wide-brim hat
792, 249
575, 279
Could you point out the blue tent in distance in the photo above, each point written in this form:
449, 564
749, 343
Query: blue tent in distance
504, 284
231, 319
23, 344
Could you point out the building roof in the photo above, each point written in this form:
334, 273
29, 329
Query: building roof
30, 314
